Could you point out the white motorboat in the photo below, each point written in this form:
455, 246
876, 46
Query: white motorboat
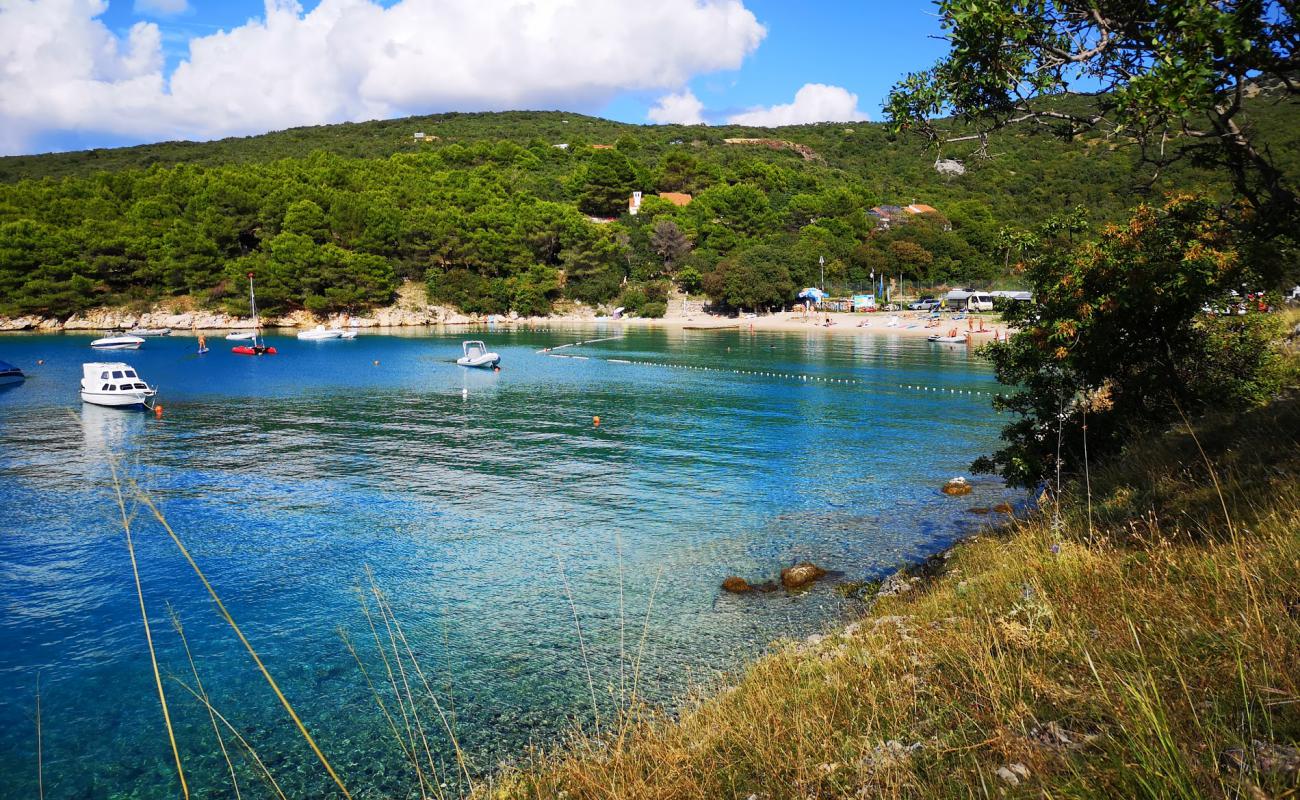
114, 384
951, 338
240, 336
10, 374
348, 333
150, 331
320, 333
477, 355
124, 342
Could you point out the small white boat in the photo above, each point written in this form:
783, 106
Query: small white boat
114, 384
240, 336
348, 333
477, 355
949, 339
124, 342
10, 374
320, 333
150, 331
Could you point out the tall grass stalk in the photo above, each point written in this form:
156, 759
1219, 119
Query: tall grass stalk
144, 616
645, 632
622, 650
582, 644
406, 688
388, 667
145, 499
383, 708
419, 671
239, 737
392, 681
40, 764
198, 682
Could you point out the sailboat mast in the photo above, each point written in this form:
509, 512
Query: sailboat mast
252, 304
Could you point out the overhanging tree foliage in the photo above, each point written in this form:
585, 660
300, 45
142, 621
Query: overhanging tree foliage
1117, 342
1153, 70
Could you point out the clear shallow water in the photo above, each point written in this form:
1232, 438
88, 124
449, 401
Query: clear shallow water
472, 496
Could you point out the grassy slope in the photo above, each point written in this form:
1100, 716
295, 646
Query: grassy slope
1148, 657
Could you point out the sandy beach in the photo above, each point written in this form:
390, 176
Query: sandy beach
910, 323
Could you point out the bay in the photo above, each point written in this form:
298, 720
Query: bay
489, 508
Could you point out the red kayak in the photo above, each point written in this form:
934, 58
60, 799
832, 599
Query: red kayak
259, 350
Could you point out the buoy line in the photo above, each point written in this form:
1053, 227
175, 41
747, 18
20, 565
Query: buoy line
794, 376
578, 344
759, 373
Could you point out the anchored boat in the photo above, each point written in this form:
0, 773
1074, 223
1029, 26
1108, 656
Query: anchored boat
150, 331
951, 338
125, 342
320, 333
10, 374
477, 355
256, 348
115, 385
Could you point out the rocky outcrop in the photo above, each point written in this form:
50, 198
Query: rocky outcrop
803, 150
31, 323
801, 575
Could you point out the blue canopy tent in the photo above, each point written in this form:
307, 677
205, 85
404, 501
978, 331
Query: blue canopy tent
812, 293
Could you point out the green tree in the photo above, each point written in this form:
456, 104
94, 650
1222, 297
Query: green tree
608, 182
305, 218
669, 243
1116, 342
756, 277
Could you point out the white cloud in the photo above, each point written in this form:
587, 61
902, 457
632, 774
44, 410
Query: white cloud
814, 102
679, 108
162, 8
62, 69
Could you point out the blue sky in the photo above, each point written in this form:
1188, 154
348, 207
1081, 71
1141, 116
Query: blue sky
864, 46
80, 74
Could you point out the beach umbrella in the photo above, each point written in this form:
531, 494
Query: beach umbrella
814, 294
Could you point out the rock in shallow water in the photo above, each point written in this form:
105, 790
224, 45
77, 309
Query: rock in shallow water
957, 486
800, 575
736, 585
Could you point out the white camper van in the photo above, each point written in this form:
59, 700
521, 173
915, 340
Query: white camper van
969, 300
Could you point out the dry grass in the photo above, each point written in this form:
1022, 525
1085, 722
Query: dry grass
1155, 657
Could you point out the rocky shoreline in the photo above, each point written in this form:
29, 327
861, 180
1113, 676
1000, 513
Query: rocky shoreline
102, 319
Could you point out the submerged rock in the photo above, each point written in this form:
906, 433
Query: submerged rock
736, 585
800, 575
1004, 508
978, 510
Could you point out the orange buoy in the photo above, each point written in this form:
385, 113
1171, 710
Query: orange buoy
595, 422
157, 411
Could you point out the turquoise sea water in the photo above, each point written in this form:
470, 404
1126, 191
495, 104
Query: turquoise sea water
474, 497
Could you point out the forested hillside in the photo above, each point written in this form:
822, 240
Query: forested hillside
496, 215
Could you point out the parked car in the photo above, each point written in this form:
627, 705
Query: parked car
924, 304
